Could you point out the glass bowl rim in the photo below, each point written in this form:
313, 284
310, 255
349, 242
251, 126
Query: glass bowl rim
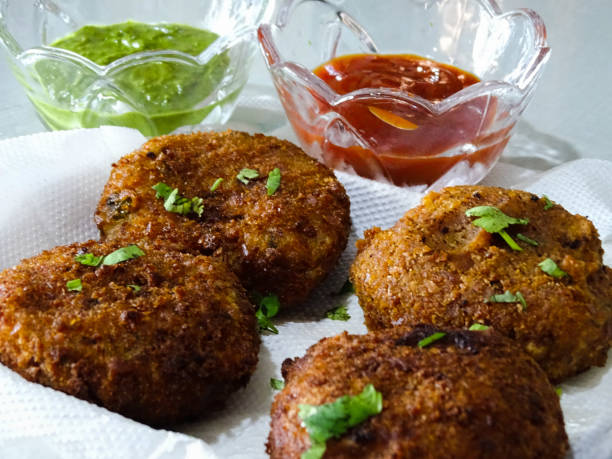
524, 84
221, 44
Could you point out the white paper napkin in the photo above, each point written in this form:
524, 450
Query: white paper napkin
51, 183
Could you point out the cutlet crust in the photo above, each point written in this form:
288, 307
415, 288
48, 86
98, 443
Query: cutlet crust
469, 394
162, 353
434, 266
282, 244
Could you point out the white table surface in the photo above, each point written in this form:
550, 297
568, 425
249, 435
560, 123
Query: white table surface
570, 115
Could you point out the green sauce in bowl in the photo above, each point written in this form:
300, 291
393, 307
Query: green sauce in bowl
155, 95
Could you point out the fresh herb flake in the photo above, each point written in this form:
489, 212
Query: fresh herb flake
197, 206
493, 220
509, 297
268, 308
339, 313
528, 240
265, 324
175, 203
548, 204
245, 175
431, 339
323, 422
89, 259
277, 384
162, 191
522, 300
170, 203
347, 287
274, 180
559, 391
123, 254
506, 297
551, 268
135, 287
119, 255
74, 285
216, 184
478, 327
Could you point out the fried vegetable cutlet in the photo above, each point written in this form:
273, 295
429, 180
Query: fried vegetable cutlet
277, 217
539, 280
467, 394
161, 337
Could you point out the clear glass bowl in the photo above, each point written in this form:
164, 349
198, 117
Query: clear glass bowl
70, 91
459, 139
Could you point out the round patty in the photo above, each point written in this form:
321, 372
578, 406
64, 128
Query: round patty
435, 266
470, 394
284, 243
160, 338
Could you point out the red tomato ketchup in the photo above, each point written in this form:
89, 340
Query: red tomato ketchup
401, 141
405, 72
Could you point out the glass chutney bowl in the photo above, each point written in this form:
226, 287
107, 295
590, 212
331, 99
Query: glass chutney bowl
71, 91
456, 140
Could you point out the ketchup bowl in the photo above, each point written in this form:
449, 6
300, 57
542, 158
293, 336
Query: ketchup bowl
361, 99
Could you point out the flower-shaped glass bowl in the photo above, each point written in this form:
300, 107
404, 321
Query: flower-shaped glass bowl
70, 91
458, 139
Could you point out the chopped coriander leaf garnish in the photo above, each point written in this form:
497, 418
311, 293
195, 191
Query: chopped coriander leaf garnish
245, 175
216, 184
508, 297
323, 422
339, 313
528, 240
179, 205
430, 339
268, 308
277, 384
135, 287
175, 203
316, 451
119, 255
347, 287
274, 180
74, 285
551, 268
548, 204
89, 259
122, 254
265, 324
493, 220
162, 191
478, 327
559, 391
522, 300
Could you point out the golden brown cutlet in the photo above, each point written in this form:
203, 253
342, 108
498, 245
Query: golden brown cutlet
435, 266
282, 244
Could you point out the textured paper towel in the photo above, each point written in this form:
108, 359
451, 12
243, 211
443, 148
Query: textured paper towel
50, 185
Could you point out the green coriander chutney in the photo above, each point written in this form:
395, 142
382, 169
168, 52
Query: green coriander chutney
153, 94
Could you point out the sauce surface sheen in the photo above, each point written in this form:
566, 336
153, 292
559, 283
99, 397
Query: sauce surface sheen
431, 80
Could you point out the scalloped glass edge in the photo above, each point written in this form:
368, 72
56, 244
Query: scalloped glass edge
488, 142
524, 84
215, 108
